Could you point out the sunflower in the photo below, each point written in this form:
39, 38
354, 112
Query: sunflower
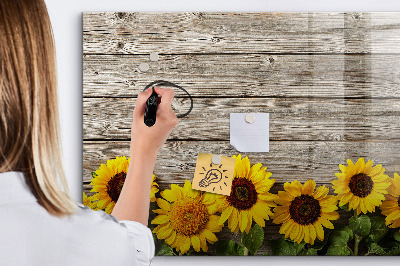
154, 189
361, 185
91, 201
304, 210
109, 180
391, 206
249, 199
186, 218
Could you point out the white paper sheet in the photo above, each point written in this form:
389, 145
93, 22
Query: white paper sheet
246, 137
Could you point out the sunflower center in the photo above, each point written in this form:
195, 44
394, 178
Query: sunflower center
114, 186
188, 216
305, 209
361, 185
243, 195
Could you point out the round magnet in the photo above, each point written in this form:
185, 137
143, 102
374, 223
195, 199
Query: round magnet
144, 67
216, 159
250, 118
154, 56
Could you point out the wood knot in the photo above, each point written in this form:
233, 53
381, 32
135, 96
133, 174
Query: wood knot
271, 59
107, 125
96, 73
199, 15
215, 39
129, 83
120, 45
356, 15
120, 15
221, 28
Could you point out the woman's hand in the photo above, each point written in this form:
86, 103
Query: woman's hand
150, 139
134, 201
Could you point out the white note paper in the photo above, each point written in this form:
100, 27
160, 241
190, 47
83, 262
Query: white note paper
249, 137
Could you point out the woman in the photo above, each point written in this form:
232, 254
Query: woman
39, 223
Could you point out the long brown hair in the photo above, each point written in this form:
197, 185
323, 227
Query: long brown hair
29, 122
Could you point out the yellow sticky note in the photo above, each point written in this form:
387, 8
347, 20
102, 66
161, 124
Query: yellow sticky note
211, 177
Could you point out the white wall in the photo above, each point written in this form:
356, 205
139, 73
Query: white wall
67, 24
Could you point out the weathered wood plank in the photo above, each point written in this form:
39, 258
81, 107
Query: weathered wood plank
290, 119
286, 160
186, 32
246, 75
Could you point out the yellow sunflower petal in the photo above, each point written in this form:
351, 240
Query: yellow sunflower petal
168, 195
320, 231
321, 192
242, 220
171, 238
292, 189
225, 214
233, 221
195, 240
308, 187
160, 219
294, 232
163, 204
185, 245
313, 233
258, 219
165, 233
209, 235
360, 165
213, 224
394, 215
306, 234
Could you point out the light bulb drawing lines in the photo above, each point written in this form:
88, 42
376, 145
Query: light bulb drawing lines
214, 175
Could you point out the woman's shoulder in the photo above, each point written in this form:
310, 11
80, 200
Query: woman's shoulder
85, 212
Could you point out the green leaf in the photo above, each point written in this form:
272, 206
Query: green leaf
378, 229
340, 238
338, 251
376, 249
254, 239
348, 231
93, 174
165, 250
338, 242
282, 247
396, 236
308, 252
228, 248
360, 225
345, 207
391, 246
192, 252
395, 249
319, 245
299, 247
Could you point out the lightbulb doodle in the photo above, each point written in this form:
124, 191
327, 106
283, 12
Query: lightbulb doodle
213, 176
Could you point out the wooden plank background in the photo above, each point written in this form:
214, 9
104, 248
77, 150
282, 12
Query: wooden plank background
330, 81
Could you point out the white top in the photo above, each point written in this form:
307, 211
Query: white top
29, 235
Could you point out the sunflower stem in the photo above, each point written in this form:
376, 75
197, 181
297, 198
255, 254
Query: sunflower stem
357, 238
246, 252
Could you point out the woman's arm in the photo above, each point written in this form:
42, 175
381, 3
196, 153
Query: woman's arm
134, 200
